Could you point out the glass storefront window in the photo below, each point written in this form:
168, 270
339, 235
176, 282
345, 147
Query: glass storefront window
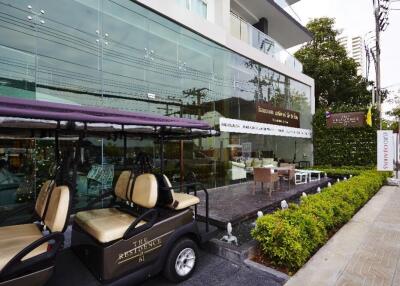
119, 54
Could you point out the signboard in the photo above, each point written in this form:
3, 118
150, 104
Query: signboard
266, 113
385, 150
343, 120
250, 127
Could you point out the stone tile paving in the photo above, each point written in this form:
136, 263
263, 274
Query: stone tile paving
236, 203
366, 251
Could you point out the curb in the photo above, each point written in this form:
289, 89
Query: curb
274, 274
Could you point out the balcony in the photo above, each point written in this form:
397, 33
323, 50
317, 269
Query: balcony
286, 5
244, 31
283, 25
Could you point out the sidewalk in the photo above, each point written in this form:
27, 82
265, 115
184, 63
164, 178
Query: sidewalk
366, 251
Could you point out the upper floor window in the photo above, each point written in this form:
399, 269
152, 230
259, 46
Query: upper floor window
199, 7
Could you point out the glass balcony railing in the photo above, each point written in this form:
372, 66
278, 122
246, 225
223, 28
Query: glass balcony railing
244, 31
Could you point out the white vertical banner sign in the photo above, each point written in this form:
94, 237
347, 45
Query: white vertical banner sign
385, 150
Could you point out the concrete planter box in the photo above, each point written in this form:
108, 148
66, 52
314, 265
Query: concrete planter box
244, 254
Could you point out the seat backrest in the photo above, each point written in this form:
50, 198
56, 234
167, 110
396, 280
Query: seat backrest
145, 191
123, 187
43, 196
57, 213
165, 191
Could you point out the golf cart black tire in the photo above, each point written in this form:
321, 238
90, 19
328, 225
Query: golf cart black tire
169, 268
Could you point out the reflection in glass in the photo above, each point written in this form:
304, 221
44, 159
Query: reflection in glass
121, 55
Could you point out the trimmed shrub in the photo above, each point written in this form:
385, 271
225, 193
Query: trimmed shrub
342, 171
290, 237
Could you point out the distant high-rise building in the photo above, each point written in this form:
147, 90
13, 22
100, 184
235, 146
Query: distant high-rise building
355, 49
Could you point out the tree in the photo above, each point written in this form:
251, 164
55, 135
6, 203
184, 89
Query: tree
335, 74
394, 101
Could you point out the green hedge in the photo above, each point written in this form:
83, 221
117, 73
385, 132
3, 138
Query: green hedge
344, 171
349, 146
288, 238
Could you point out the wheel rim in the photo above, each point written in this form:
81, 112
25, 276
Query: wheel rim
185, 261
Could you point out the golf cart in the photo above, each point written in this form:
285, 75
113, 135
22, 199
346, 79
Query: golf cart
147, 227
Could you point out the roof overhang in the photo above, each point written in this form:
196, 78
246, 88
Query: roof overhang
282, 27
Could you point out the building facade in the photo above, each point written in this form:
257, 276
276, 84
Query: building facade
355, 49
224, 62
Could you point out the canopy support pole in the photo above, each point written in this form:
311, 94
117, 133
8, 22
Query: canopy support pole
182, 170
125, 145
162, 154
56, 145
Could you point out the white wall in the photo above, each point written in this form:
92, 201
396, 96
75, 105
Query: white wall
222, 12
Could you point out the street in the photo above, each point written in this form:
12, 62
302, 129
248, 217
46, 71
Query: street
211, 270
214, 270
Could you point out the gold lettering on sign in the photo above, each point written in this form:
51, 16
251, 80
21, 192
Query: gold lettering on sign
265, 110
140, 248
267, 113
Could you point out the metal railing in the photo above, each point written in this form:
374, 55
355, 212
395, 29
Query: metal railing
244, 31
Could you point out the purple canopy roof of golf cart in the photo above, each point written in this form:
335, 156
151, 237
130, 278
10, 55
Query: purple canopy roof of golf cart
34, 109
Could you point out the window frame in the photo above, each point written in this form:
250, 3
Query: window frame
189, 7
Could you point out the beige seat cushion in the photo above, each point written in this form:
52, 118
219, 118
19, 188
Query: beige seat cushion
256, 163
124, 184
43, 196
181, 200
15, 238
185, 201
56, 215
238, 164
105, 225
145, 191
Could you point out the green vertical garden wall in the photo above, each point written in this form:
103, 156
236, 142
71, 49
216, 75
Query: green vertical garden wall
344, 146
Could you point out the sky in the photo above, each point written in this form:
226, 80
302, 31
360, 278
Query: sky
355, 17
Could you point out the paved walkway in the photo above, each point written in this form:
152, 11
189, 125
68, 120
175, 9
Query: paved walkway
366, 251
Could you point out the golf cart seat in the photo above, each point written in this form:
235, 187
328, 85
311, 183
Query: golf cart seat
43, 196
180, 201
124, 185
14, 238
106, 225
18, 243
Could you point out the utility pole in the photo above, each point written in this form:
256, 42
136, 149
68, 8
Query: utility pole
378, 61
381, 12
199, 94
